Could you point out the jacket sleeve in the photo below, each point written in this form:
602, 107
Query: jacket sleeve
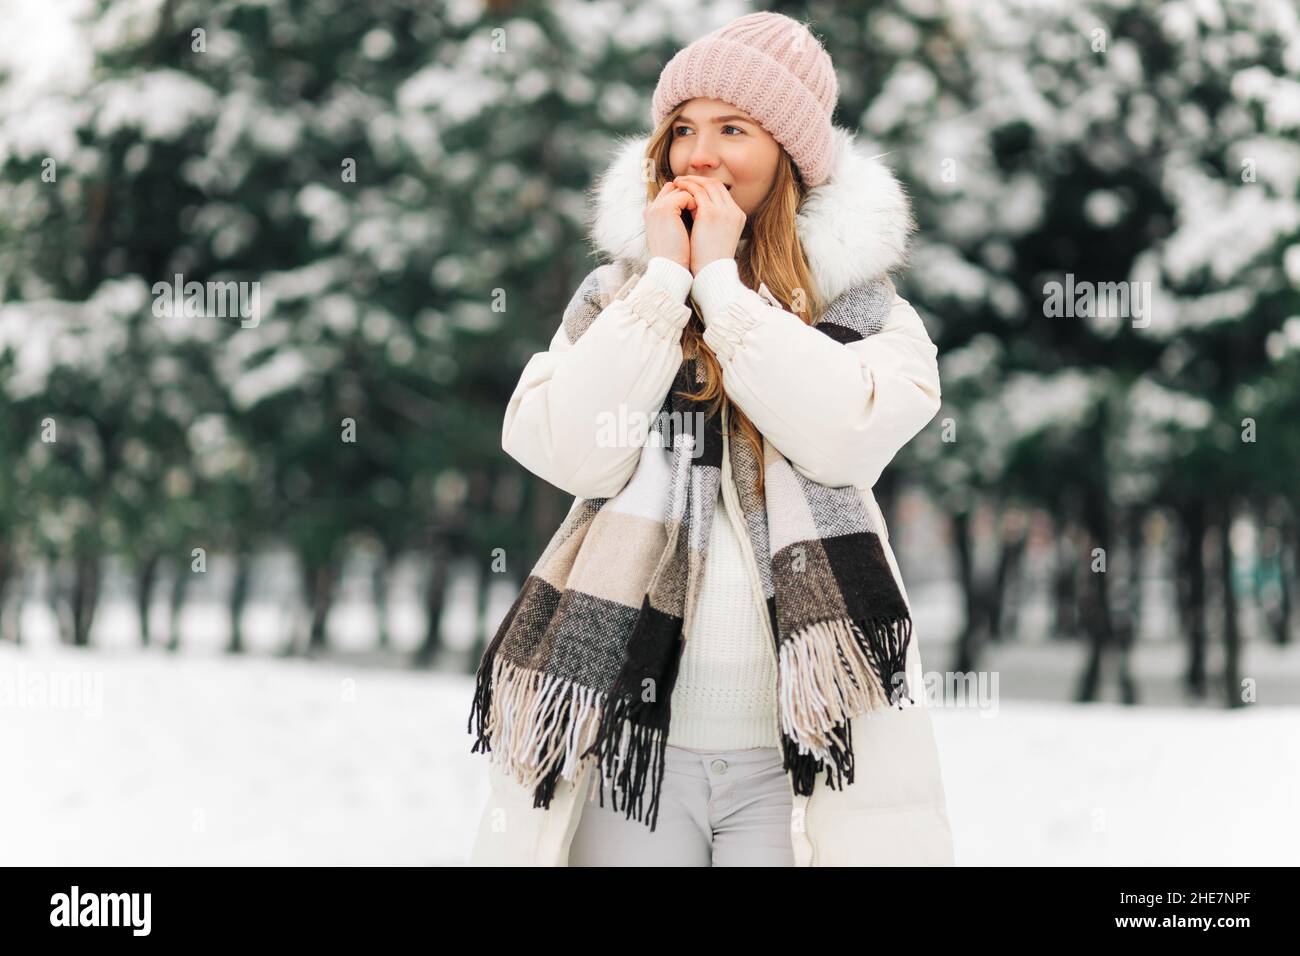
602, 357
839, 411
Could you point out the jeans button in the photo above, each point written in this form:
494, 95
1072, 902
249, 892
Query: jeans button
719, 766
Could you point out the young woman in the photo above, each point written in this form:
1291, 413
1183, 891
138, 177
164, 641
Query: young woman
721, 619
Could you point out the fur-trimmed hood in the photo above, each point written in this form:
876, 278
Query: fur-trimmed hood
854, 227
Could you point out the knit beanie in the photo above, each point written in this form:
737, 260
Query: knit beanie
775, 70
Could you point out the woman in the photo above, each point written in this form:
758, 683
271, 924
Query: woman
720, 619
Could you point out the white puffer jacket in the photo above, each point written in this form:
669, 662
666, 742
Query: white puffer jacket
839, 412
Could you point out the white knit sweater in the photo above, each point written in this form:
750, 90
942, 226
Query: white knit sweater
725, 694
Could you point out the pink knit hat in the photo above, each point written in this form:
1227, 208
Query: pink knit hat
774, 69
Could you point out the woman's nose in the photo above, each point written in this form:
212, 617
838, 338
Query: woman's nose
704, 160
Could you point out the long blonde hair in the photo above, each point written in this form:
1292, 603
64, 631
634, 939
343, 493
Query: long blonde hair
773, 255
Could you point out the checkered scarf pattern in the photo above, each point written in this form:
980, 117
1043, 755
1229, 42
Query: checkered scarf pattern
584, 663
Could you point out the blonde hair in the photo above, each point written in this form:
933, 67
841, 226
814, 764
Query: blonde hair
773, 256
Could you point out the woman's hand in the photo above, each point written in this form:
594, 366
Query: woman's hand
717, 221
665, 233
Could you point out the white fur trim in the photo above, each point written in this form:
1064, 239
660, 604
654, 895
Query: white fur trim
854, 227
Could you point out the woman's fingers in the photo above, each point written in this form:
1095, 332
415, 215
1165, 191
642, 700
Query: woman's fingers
678, 197
714, 190
664, 190
697, 191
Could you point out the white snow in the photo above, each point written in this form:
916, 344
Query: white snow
199, 760
194, 759
160, 104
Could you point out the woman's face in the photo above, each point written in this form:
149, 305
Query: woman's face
716, 140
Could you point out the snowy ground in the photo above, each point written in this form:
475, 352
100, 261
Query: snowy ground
208, 760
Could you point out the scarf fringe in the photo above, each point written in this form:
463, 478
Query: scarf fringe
538, 721
639, 757
830, 672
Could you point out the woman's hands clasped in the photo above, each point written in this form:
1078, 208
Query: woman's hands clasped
716, 222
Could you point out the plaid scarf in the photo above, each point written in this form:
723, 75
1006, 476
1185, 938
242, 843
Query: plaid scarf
584, 662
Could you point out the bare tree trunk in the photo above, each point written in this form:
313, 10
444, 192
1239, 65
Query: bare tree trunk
1096, 625
321, 579
18, 585
1231, 627
146, 575
380, 579
1065, 594
435, 594
978, 596
1013, 535
1275, 521
1098, 615
1135, 525
1110, 614
1126, 629
85, 598
1192, 572
180, 584
966, 578
60, 602
1290, 556
1288, 559
8, 574
5, 571
238, 600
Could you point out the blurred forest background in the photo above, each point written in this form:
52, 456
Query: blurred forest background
391, 171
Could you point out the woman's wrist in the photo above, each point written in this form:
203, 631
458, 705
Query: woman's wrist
716, 286
673, 277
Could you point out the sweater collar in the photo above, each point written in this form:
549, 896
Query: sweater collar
854, 227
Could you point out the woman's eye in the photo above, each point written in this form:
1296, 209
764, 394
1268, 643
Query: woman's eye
677, 129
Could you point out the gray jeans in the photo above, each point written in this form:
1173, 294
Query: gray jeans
717, 808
